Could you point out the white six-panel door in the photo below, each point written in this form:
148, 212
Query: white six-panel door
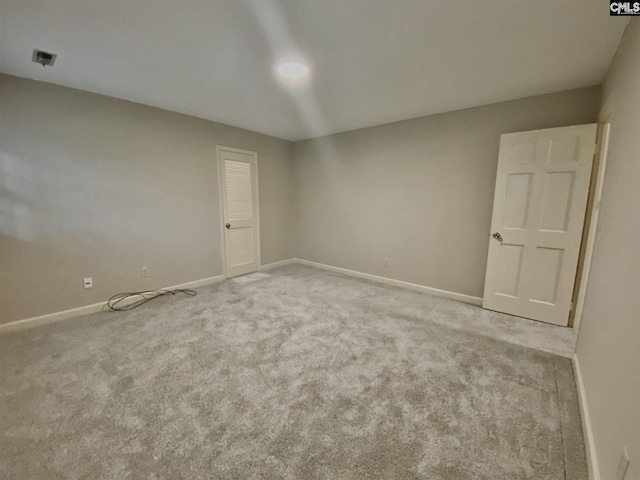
538, 215
239, 188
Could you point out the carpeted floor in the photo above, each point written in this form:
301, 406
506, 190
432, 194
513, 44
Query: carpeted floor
296, 373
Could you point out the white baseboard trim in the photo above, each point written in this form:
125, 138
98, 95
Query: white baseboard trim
197, 283
87, 309
398, 283
589, 443
281, 263
96, 307
50, 317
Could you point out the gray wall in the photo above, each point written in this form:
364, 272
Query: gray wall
100, 187
609, 342
419, 192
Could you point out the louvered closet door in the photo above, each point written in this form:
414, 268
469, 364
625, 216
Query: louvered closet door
538, 216
238, 170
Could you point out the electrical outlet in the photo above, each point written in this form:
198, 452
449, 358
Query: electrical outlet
386, 262
623, 465
88, 282
144, 271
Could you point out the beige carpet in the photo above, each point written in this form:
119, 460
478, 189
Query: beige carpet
296, 373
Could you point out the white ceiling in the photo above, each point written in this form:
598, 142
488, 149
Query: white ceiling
371, 61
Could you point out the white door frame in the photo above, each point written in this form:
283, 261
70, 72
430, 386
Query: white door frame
223, 252
604, 121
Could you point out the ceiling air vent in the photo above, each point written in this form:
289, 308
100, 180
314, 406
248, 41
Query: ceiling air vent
43, 58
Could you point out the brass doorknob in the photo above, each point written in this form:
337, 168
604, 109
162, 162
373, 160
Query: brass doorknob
497, 236
228, 225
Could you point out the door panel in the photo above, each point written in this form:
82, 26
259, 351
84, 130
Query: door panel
546, 273
557, 201
517, 200
509, 270
238, 183
238, 173
240, 246
538, 213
